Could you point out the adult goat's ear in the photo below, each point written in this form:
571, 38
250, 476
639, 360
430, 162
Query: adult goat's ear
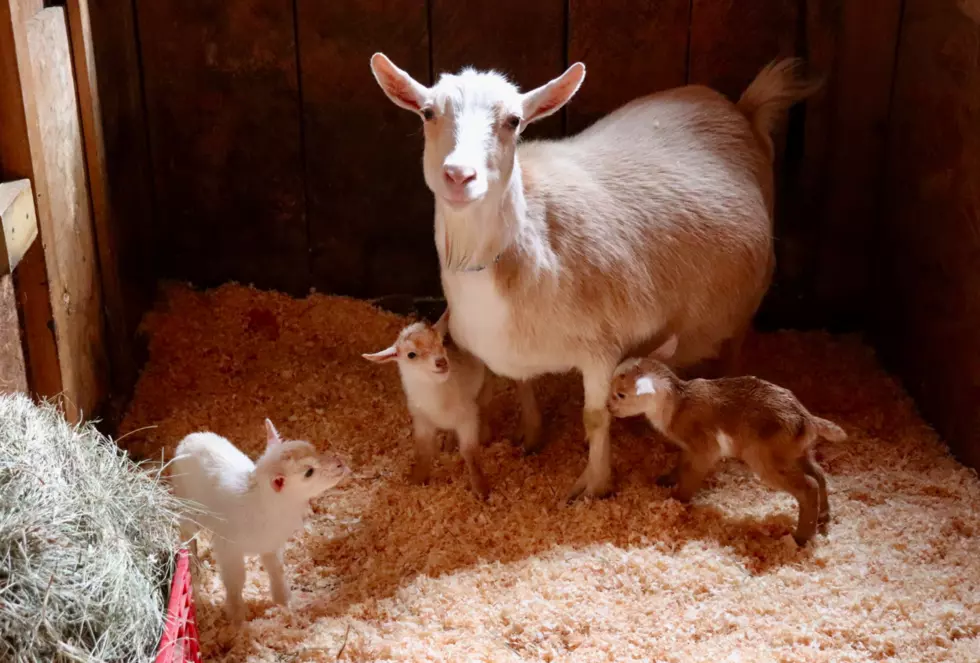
554, 94
401, 88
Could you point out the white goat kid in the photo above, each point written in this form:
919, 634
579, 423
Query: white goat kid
571, 254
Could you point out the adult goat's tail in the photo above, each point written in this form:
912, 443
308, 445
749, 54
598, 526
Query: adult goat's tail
777, 87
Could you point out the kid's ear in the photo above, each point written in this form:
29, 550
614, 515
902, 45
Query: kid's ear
442, 324
272, 435
388, 354
278, 482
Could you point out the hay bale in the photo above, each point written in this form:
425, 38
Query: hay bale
87, 541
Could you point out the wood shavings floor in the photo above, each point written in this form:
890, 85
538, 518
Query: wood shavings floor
393, 572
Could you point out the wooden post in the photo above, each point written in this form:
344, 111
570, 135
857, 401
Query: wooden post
58, 289
19, 223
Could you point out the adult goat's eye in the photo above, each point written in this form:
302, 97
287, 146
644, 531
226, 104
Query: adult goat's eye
309, 473
412, 355
620, 395
428, 114
513, 122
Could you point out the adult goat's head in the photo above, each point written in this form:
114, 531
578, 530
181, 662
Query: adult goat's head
472, 122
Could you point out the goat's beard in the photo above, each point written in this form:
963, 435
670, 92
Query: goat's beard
473, 237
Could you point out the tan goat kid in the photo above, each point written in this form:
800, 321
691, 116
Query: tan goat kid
571, 254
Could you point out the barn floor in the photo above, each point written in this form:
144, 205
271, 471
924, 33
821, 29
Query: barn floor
388, 571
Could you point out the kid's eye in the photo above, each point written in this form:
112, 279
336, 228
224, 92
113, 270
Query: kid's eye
620, 395
412, 355
428, 114
309, 473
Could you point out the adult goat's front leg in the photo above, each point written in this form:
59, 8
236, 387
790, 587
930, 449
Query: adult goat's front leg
596, 480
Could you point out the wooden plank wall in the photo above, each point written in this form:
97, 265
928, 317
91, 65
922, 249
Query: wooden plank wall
277, 161
929, 286
223, 110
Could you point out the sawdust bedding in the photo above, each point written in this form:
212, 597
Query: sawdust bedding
386, 571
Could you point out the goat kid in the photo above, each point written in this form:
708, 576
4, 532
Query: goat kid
760, 423
251, 508
446, 389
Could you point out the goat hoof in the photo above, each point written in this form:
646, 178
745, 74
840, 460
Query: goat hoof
587, 486
418, 476
481, 489
235, 611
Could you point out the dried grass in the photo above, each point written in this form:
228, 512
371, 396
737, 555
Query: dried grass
86, 543
393, 572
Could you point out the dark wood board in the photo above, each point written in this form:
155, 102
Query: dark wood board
928, 290
524, 40
867, 33
223, 111
639, 48
370, 213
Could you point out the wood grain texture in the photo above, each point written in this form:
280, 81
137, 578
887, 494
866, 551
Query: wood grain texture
524, 40
731, 41
639, 48
370, 212
64, 215
846, 136
121, 319
13, 372
224, 123
730, 44
30, 278
19, 223
929, 290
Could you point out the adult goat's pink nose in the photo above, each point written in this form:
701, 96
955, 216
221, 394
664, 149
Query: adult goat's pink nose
458, 175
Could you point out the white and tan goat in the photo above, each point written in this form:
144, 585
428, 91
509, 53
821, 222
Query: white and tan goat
571, 254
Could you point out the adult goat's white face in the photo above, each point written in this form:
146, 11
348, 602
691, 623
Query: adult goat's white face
472, 121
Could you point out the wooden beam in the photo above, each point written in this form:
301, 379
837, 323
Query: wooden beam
64, 211
19, 223
119, 333
30, 280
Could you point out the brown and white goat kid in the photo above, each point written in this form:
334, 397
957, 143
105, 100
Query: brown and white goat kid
571, 254
760, 423
446, 389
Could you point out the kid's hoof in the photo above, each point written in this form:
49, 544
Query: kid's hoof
418, 476
587, 486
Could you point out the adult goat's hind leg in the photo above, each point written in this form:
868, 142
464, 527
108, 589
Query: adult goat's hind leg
530, 436
596, 480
